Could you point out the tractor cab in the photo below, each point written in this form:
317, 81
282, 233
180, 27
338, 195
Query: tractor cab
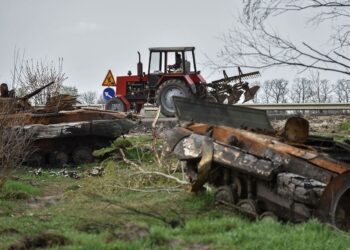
170, 61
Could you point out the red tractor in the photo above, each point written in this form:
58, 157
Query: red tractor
172, 72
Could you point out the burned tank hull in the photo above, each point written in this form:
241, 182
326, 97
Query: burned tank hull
259, 171
69, 137
59, 133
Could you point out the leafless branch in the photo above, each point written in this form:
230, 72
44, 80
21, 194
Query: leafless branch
36, 74
15, 141
141, 171
252, 44
261, 49
154, 136
89, 97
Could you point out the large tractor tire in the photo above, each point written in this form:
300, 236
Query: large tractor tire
165, 93
116, 104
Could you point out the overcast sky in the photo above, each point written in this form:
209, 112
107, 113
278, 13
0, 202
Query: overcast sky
94, 36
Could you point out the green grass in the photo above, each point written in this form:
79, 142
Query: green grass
95, 213
345, 126
18, 190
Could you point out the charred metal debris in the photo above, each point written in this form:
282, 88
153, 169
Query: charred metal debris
261, 172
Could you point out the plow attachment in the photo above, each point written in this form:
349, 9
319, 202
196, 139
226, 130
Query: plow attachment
259, 171
230, 89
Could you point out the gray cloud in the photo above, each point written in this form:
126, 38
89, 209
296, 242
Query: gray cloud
81, 27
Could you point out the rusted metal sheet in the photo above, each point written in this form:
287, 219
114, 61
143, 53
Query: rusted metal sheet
191, 110
334, 206
258, 144
204, 165
174, 136
78, 115
247, 163
287, 174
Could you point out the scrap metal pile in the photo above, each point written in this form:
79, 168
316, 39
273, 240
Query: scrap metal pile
259, 171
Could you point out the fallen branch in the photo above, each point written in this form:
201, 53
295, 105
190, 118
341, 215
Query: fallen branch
154, 190
127, 161
154, 135
143, 172
171, 177
172, 222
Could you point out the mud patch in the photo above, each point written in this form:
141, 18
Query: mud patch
16, 195
44, 240
8, 232
39, 202
93, 227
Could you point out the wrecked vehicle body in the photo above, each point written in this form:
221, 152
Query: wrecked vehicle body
261, 172
70, 137
59, 133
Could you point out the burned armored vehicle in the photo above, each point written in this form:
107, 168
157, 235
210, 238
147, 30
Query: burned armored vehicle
261, 172
60, 133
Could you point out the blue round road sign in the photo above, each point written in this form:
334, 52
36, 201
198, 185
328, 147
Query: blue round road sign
108, 94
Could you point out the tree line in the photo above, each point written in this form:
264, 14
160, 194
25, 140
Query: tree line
29, 75
303, 90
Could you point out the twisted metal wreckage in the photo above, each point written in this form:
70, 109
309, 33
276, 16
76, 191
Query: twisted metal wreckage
259, 171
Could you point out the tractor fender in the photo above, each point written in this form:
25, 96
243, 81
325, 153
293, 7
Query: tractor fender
125, 101
191, 84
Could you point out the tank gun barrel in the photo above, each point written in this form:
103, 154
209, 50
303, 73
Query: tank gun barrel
37, 91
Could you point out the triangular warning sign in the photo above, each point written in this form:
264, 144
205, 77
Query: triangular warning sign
109, 80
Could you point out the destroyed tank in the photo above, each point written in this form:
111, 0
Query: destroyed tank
258, 171
62, 134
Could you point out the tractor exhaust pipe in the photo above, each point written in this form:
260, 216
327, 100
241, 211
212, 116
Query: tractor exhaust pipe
139, 66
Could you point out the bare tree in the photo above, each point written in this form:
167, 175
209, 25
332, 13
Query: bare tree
18, 66
69, 90
36, 74
101, 100
342, 90
301, 90
15, 141
89, 97
275, 91
321, 89
253, 44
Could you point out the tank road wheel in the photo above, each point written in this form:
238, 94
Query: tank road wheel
58, 158
165, 93
36, 159
82, 155
248, 206
268, 215
116, 104
225, 194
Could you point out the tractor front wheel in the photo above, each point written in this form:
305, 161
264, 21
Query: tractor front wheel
165, 93
116, 104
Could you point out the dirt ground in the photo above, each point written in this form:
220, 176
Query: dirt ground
324, 125
321, 125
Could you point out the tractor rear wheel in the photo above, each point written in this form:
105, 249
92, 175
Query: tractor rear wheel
116, 104
165, 93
